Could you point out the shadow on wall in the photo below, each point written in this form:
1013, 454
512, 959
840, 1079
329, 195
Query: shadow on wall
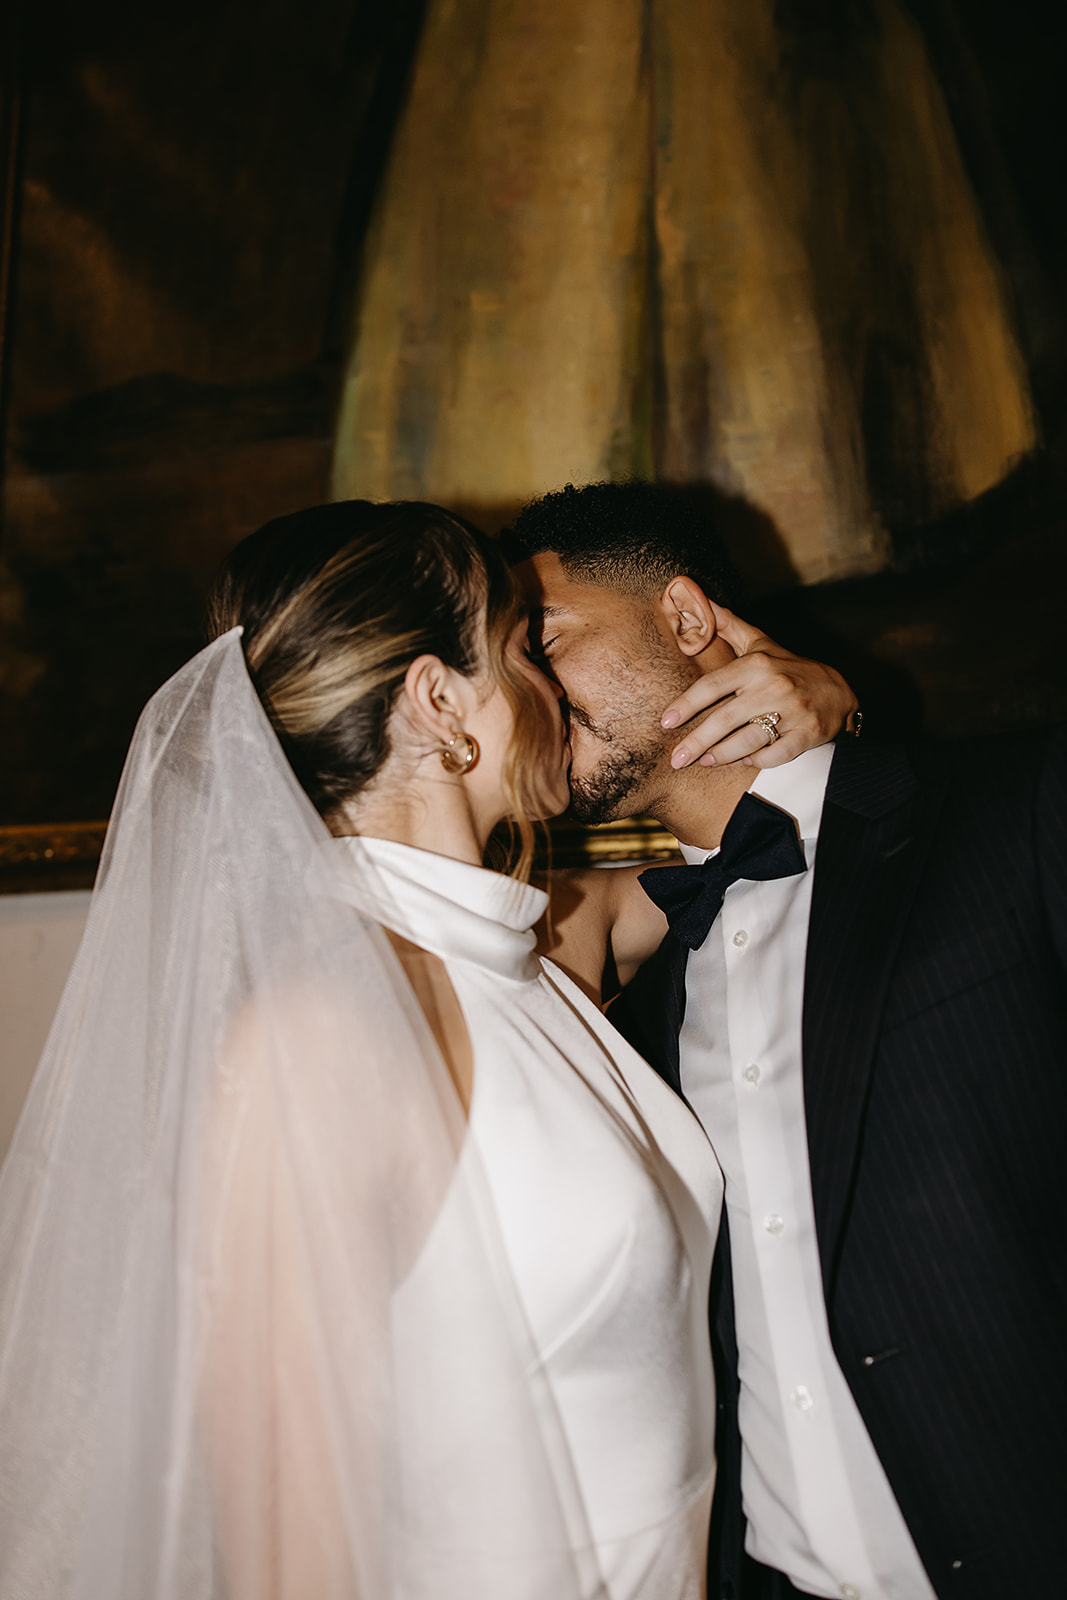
963, 637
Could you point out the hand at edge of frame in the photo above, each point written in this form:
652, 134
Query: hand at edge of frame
813, 701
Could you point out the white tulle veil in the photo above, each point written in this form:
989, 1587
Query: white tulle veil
239, 1139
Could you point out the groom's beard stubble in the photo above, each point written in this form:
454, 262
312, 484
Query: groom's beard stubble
632, 742
603, 795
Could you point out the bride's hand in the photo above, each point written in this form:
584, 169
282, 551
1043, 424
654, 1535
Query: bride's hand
813, 703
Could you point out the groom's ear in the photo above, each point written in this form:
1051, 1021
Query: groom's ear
688, 615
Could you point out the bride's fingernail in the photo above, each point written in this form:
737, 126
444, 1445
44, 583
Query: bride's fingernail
669, 719
679, 758
707, 760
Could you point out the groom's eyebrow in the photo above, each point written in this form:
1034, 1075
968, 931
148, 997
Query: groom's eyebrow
541, 615
545, 618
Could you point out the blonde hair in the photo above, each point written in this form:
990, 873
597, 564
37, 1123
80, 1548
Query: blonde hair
337, 601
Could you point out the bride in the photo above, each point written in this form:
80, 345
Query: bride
345, 1249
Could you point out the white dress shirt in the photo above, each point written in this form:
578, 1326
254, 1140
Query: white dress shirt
818, 1503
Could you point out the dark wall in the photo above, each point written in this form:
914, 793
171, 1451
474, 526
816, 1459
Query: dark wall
194, 182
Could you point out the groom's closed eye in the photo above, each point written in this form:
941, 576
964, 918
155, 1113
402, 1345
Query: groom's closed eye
540, 635
537, 650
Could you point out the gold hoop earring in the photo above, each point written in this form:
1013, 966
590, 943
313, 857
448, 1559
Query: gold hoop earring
459, 762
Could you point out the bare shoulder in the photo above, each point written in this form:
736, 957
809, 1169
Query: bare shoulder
599, 916
576, 930
639, 924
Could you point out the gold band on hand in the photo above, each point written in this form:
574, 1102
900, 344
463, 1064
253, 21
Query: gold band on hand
769, 723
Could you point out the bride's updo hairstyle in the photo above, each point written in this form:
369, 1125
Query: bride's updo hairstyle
337, 601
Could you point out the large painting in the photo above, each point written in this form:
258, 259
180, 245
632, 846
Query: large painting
805, 258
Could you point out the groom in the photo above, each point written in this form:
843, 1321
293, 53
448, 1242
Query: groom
873, 1032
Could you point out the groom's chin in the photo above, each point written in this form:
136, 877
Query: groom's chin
591, 809
584, 815
612, 792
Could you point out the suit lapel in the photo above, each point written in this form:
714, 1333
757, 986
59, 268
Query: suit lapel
873, 840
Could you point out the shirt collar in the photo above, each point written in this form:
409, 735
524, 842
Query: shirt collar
798, 787
452, 908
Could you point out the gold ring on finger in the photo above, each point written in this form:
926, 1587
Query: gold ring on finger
769, 723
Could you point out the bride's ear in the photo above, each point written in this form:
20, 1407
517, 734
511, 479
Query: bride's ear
689, 615
435, 697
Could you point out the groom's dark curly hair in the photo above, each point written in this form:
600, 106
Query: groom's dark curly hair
630, 536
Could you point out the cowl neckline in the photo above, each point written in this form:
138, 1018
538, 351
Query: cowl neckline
455, 910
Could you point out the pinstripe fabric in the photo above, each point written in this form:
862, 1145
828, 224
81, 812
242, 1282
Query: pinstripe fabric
936, 1096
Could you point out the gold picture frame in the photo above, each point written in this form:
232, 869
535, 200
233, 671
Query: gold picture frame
50, 856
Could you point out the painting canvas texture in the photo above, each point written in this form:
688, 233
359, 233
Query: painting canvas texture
802, 257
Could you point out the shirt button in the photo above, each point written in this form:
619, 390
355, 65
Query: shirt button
740, 938
773, 1223
850, 1592
802, 1397
751, 1073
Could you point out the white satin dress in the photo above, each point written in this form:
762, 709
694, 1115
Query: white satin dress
608, 1198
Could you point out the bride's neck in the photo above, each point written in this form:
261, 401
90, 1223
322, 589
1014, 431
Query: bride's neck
423, 809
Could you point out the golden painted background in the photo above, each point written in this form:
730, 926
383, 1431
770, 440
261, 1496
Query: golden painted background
809, 252
603, 248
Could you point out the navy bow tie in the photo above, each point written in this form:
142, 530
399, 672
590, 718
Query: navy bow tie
759, 841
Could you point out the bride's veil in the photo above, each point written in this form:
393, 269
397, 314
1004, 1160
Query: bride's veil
258, 1333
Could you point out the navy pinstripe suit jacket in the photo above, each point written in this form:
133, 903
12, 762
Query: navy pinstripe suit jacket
935, 1049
